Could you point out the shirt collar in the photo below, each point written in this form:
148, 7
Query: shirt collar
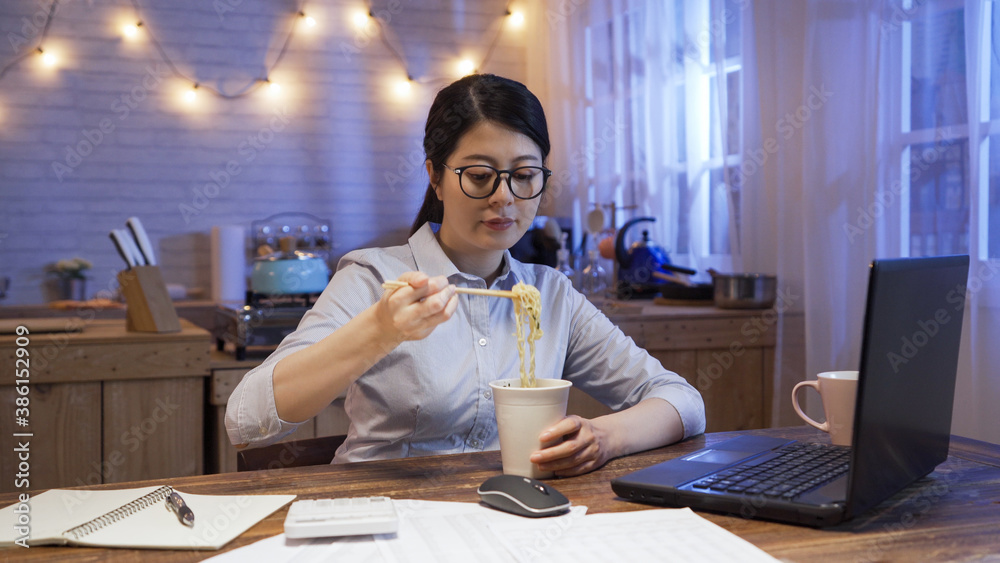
431, 259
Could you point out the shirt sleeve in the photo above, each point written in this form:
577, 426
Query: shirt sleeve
606, 364
251, 414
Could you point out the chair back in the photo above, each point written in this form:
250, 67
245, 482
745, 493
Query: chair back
294, 453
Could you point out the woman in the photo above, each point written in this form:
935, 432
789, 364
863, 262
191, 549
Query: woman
416, 362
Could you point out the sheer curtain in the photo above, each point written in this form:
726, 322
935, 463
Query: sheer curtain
890, 156
863, 129
642, 98
654, 106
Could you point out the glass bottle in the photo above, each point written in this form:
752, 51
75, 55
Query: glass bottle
563, 256
594, 277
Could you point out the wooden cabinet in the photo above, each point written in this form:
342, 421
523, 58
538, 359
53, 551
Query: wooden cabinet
226, 375
105, 405
727, 354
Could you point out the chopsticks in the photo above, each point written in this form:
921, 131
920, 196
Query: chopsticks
396, 284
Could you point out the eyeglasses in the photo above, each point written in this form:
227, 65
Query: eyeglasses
480, 181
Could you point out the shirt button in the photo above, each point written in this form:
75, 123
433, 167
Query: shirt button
475, 443
488, 394
482, 342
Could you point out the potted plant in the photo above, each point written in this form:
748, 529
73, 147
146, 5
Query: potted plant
71, 275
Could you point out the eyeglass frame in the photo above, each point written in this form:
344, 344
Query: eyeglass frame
546, 173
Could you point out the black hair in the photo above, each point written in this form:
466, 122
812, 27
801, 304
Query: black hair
465, 103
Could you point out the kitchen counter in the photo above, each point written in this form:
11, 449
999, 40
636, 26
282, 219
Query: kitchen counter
727, 354
199, 312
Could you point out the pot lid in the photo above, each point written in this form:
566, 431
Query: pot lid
293, 255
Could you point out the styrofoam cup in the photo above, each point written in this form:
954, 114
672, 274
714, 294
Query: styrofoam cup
522, 414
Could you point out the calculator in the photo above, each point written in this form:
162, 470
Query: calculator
329, 517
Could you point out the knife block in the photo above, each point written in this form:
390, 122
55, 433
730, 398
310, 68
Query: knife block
148, 307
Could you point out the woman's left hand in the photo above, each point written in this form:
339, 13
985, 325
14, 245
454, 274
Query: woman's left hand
585, 447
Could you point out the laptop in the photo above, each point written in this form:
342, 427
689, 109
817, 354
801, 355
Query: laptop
902, 418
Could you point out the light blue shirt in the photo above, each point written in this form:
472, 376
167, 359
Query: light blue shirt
432, 396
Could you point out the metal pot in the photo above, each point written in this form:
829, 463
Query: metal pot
744, 291
289, 272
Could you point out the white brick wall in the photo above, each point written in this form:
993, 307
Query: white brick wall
344, 129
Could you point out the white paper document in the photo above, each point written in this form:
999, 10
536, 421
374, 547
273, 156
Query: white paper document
461, 532
646, 535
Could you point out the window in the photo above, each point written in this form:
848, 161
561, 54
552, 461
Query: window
666, 78
945, 204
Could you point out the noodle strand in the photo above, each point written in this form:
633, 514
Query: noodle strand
527, 310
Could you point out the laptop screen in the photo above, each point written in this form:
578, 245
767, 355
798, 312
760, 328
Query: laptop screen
909, 357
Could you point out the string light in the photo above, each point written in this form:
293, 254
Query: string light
403, 87
307, 19
516, 18
38, 46
49, 58
361, 19
466, 67
130, 30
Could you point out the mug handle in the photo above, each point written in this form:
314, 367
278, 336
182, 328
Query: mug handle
825, 427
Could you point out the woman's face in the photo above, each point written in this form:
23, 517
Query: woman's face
484, 227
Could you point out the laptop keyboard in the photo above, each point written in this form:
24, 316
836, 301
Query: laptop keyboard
798, 468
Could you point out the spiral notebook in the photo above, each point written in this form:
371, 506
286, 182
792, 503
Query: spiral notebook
132, 518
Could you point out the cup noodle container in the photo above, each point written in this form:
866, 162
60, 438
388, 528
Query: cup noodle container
522, 414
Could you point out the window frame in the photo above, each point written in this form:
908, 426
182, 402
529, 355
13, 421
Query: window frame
977, 137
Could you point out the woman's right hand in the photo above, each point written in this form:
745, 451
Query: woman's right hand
414, 311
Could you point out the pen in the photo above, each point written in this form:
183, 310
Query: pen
184, 513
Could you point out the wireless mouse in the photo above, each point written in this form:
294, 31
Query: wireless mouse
522, 496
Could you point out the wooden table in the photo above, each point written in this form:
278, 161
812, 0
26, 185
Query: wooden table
953, 514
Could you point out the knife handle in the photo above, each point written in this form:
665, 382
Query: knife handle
120, 246
131, 248
139, 233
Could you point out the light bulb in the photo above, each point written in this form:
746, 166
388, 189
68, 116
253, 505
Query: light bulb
273, 88
404, 86
130, 30
309, 20
191, 94
517, 19
48, 58
360, 19
466, 67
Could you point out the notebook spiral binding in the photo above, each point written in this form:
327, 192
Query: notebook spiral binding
121, 512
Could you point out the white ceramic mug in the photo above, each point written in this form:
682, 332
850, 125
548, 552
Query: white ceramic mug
522, 414
839, 390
